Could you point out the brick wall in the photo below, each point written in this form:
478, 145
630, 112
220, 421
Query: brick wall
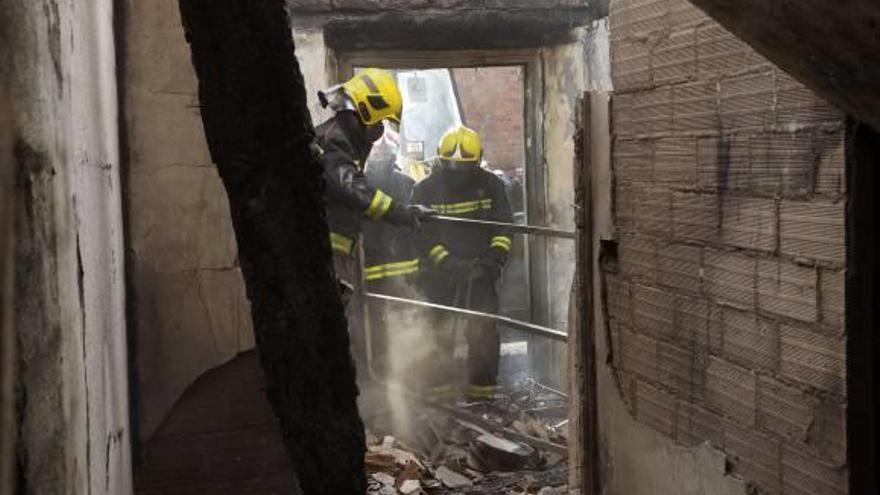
725, 307
492, 103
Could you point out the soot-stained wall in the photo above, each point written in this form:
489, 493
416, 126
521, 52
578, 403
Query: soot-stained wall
59, 70
725, 301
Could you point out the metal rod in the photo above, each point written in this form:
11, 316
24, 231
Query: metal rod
549, 389
480, 421
510, 227
531, 328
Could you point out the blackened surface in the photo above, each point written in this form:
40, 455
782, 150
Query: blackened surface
862, 294
258, 129
449, 30
120, 33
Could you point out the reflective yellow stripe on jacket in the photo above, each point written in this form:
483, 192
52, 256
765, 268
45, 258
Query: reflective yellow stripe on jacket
501, 242
395, 269
437, 254
379, 206
463, 207
341, 243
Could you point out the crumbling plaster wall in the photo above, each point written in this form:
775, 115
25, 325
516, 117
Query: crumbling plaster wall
190, 312
59, 69
723, 330
190, 309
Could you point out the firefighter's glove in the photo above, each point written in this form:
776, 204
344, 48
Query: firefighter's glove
403, 215
487, 269
458, 269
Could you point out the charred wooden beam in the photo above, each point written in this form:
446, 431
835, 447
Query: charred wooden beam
258, 128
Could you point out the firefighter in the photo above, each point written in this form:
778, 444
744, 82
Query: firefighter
343, 143
390, 263
390, 260
463, 265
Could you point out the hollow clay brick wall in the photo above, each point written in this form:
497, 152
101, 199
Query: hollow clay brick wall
725, 306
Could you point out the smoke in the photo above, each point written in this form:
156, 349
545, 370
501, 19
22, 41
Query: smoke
412, 348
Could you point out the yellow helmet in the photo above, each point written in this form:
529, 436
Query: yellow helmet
375, 96
461, 144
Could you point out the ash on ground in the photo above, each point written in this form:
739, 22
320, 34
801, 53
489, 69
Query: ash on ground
513, 444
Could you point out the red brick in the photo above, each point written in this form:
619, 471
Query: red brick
813, 230
784, 410
753, 456
694, 217
787, 289
675, 162
696, 425
653, 311
679, 370
797, 106
679, 266
695, 107
781, 163
723, 163
730, 390
638, 353
730, 278
750, 340
749, 223
804, 475
652, 111
655, 408
499, 120
638, 258
674, 59
747, 101
831, 295
813, 359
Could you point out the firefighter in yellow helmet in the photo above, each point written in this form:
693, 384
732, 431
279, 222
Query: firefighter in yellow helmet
361, 105
463, 265
343, 142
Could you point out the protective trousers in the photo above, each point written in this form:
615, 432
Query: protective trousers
481, 334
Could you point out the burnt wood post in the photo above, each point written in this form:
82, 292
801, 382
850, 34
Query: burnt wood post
258, 128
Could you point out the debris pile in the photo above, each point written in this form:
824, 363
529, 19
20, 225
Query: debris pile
515, 444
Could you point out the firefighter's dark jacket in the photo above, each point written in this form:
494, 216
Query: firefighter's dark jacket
471, 193
344, 148
389, 252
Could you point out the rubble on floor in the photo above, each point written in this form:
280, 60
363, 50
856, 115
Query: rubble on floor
514, 444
